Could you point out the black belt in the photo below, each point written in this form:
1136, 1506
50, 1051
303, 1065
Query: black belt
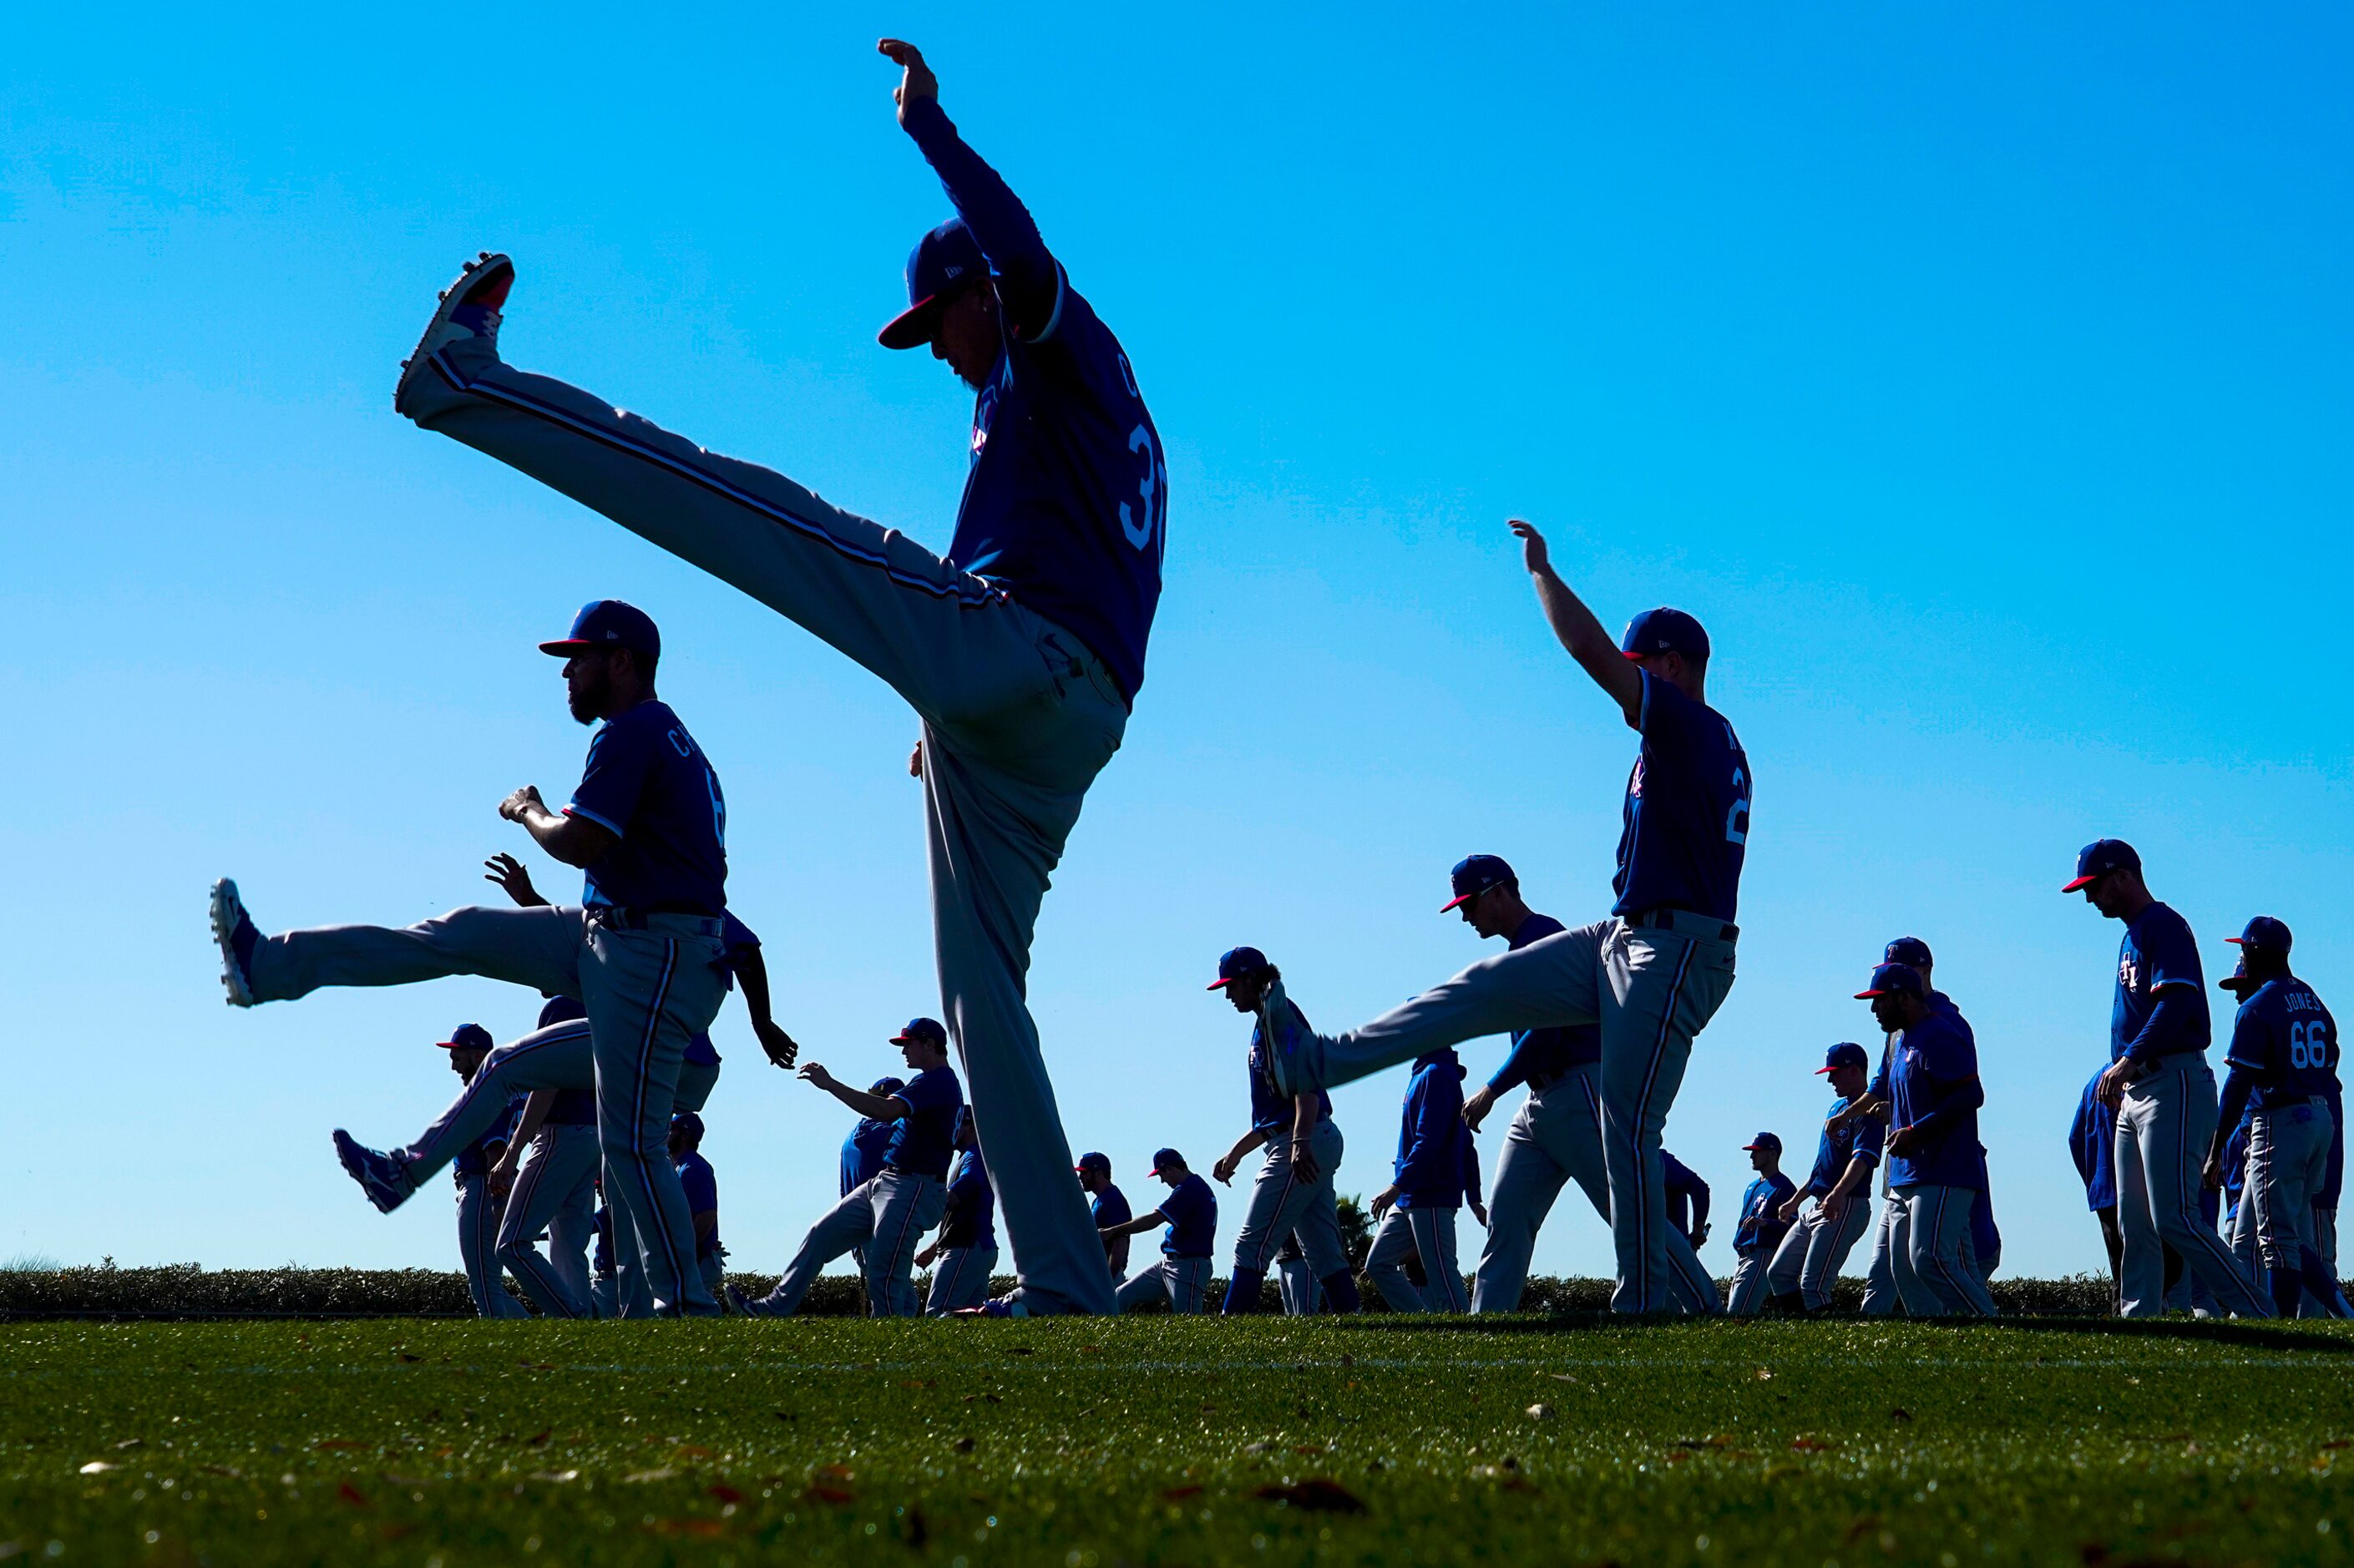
1539, 1082
1663, 918
634, 917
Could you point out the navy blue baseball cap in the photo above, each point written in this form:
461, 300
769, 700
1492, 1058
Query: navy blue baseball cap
922, 1029
1764, 1141
1097, 1160
1237, 962
2239, 983
608, 623
1473, 875
688, 1123
468, 1037
1165, 1160
1664, 631
1908, 950
2265, 933
1894, 979
886, 1087
2099, 858
561, 1010
1846, 1054
945, 263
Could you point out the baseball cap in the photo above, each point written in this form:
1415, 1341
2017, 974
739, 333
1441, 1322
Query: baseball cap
944, 261
1910, 951
887, 1087
1473, 875
2099, 858
688, 1123
2266, 932
1166, 1160
1237, 962
1664, 631
608, 623
1897, 980
1764, 1141
1093, 1158
468, 1037
561, 1010
964, 1123
2239, 983
1846, 1054
922, 1029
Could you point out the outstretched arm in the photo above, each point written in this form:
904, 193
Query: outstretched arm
873, 1108
1593, 648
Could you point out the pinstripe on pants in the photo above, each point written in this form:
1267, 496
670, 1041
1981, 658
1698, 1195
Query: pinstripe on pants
2163, 1127
556, 1189
478, 1229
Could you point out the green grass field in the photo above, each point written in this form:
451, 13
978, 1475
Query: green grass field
1163, 1441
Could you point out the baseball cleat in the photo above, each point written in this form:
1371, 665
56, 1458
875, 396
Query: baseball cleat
233, 928
744, 1305
1003, 1307
468, 310
384, 1179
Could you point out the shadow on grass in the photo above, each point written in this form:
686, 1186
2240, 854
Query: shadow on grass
2255, 1335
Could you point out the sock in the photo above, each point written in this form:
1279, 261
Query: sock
1341, 1292
2314, 1274
2286, 1286
1242, 1291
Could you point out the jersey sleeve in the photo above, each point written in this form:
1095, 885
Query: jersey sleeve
930, 1090
621, 761
1871, 1132
702, 1184
1667, 716
2252, 1037
2172, 954
1030, 282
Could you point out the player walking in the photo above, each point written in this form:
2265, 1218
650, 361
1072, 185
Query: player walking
1182, 1277
1651, 975
2161, 1088
1808, 1262
1435, 1169
963, 1256
1107, 1207
1937, 1168
1021, 651
701, 1184
1759, 1231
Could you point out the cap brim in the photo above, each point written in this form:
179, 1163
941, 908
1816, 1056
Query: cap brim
1218, 984
1867, 995
1459, 899
2240, 941
565, 647
1825, 1072
2081, 881
913, 328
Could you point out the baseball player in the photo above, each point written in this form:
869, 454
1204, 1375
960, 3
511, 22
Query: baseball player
1428, 1182
1758, 1233
1985, 1240
964, 1254
702, 1187
2092, 1144
1809, 1257
551, 1188
1294, 1189
1687, 1201
1109, 1209
892, 1211
647, 826
1936, 1167
1182, 1277
2279, 1075
1021, 651
478, 1210
2159, 1084
1653, 973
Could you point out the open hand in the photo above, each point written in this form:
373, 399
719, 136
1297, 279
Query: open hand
514, 878
918, 81
1382, 1202
781, 1047
815, 1073
1534, 555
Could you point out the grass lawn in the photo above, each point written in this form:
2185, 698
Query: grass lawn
1159, 1441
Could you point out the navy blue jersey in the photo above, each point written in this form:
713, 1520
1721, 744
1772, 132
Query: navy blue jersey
1067, 495
2283, 1039
1834, 1151
1935, 1089
1761, 1227
862, 1152
1271, 1108
650, 786
1428, 1170
2092, 1143
702, 1184
972, 1204
1191, 1211
1687, 814
475, 1159
2159, 954
1686, 1196
1110, 1208
920, 1144
2235, 1162
1545, 1053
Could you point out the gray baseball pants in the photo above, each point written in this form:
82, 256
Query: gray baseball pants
1018, 716
1293, 1282
1280, 1205
1815, 1247
886, 1217
1886, 1285
1652, 989
478, 1231
2163, 1129
960, 1280
1745, 1293
1935, 1264
2288, 1158
632, 1294
646, 992
1182, 1282
1429, 1235
1555, 1137
556, 1190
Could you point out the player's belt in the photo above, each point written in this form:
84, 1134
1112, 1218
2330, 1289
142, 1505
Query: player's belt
640, 916
1539, 1082
1684, 922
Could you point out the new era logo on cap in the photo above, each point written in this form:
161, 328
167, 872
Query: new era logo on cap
1094, 1160
1908, 950
1237, 962
2099, 858
1473, 875
2264, 934
1664, 631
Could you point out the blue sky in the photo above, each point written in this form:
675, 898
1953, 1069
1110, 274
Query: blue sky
1977, 373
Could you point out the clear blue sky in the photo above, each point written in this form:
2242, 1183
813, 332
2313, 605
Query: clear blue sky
1977, 374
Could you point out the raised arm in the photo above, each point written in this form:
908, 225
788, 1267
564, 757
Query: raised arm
1595, 651
873, 1108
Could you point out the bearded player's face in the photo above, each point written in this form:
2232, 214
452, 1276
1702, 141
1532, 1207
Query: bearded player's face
589, 684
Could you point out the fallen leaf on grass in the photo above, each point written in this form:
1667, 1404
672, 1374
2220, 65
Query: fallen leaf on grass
727, 1494
1319, 1494
1714, 1440
1900, 1414
131, 1443
1859, 1529
324, 1444
230, 1472
825, 1492
1540, 1413
1564, 1377
1308, 1448
1259, 1448
837, 1472
2340, 1443
1763, 1375
1812, 1445
662, 1473
410, 1359
536, 1366
352, 1495
539, 1439
705, 1528
1022, 1351
558, 1475
1179, 1494
963, 1445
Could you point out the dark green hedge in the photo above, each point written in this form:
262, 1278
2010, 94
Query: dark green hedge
187, 1290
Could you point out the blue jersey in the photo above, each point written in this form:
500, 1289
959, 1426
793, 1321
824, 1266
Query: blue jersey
1110, 1208
2283, 1039
920, 1144
1428, 1170
1067, 495
862, 1152
648, 785
1544, 1054
2159, 954
702, 1184
1687, 814
1191, 1211
475, 1159
1935, 1089
2235, 1162
1270, 1108
1686, 1198
972, 1205
1835, 1151
1761, 1227
2092, 1143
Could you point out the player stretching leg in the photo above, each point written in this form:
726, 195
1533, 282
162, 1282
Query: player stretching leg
549, 1179
2159, 1084
1020, 651
647, 826
1182, 1277
1651, 975
1806, 1263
